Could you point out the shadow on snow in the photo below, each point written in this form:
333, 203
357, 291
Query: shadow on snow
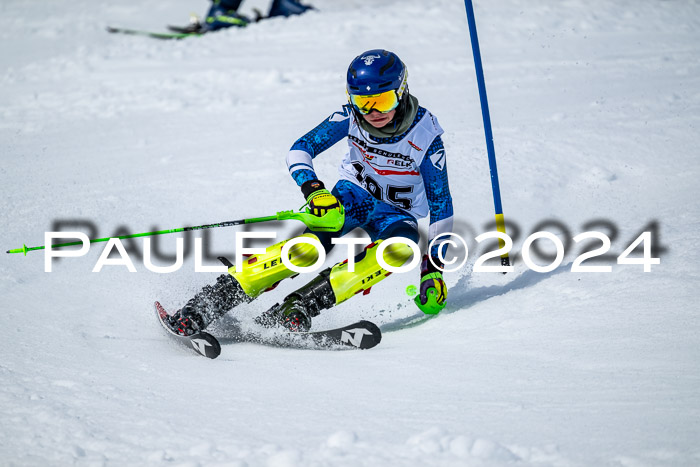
462, 297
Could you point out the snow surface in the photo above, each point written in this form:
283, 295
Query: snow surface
595, 106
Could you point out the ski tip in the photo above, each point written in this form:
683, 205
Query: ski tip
160, 311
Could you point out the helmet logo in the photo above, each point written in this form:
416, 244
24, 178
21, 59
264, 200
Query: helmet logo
369, 59
369, 87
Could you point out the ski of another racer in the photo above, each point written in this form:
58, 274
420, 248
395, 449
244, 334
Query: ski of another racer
155, 35
360, 335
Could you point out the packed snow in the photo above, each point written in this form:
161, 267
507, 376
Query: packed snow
595, 108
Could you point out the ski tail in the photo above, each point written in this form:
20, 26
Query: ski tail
201, 342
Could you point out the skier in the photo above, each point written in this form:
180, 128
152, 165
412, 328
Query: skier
394, 172
224, 14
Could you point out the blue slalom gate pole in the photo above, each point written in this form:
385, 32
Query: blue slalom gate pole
500, 220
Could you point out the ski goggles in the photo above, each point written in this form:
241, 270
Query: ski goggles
384, 102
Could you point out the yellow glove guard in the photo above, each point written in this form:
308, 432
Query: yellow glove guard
322, 201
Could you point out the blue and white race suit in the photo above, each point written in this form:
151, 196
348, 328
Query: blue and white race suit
383, 181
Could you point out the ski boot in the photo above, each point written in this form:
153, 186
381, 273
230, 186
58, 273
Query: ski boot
297, 309
211, 303
287, 8
223, 14
333, 286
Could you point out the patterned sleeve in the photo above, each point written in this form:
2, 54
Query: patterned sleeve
437, 189
313, 143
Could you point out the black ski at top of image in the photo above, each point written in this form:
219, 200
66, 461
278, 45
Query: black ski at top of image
154, 35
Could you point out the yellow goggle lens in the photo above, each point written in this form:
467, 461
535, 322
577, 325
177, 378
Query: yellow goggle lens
384, 102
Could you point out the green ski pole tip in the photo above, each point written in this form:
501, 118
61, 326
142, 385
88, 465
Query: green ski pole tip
411, 290
24, 250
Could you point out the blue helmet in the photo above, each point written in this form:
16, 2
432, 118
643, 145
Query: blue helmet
377, 71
